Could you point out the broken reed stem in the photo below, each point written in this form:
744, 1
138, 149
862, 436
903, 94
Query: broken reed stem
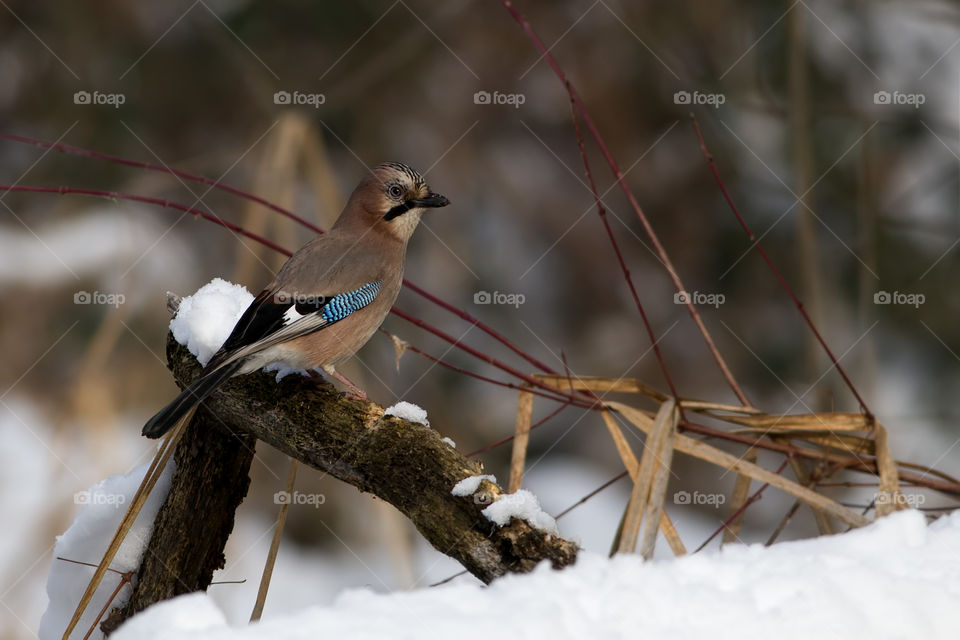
704, 451
521, 438
157, 465
738, 500
889, 498
632, 466
275, 543
658, 489
743, 482
752, 416
649, 463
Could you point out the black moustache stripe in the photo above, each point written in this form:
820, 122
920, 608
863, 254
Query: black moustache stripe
398, 210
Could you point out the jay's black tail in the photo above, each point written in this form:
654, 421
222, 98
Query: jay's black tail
202, 387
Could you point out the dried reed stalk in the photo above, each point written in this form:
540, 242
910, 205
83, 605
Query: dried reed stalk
521, 438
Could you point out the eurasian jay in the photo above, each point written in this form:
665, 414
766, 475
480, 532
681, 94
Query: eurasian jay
330, 296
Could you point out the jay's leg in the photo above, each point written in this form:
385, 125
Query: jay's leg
353, 390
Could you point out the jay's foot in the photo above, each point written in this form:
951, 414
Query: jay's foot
353, 391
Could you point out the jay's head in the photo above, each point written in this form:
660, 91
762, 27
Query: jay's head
391, 198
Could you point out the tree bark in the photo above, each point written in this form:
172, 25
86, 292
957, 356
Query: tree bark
404, 463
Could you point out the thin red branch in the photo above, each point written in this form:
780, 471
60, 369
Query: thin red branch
489, 359
493, 381
602, 212
116, 195
510, 438
755, 243
167, 204
79, 151
480, 325
610, 482
65, 148
736, 514
615, 168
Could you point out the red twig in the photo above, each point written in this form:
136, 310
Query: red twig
602, 212
126, 578
79, 151
756, 496
509, 438
167, 204
253, 236
65, 148
776, 272
480, 325
499, 383
611, 481
488, 359
615, 168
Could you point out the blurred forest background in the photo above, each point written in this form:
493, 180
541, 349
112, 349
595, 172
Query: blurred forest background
834, 124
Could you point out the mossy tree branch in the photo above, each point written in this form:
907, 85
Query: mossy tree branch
403, 463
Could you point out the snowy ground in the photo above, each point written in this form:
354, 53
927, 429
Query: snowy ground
897, 578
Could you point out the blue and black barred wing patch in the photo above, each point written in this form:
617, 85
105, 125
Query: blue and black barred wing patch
273, 318
340, 306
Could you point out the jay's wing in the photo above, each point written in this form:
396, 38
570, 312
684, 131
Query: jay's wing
273, 318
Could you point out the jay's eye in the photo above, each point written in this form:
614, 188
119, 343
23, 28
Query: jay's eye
395, 191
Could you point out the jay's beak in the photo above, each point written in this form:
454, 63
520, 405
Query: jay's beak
432, 200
